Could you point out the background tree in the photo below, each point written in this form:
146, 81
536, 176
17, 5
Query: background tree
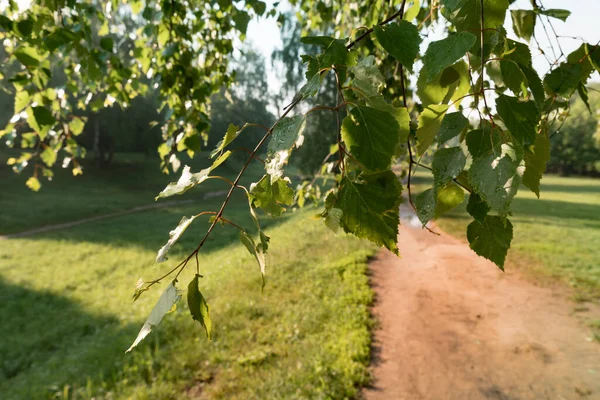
575, 146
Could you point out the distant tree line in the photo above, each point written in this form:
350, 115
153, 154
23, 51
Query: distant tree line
575, 147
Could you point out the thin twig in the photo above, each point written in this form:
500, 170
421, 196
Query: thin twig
483, 61
399, 13
248, 151
338, 123
455, 180
410, 154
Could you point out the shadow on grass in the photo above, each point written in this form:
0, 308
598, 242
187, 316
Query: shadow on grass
523, 208
555, 209
131, 180
41, 330
150, 229
592, 188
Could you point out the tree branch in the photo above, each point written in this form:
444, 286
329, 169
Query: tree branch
399, 13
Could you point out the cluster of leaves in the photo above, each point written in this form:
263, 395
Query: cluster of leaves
66, 57
488, 152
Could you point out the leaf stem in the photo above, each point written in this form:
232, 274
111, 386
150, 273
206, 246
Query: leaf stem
483, 61
455, 180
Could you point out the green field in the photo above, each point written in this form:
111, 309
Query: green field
130, 180
67, 315
555, 236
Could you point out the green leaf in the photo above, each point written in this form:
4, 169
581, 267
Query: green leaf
583, 94
512, 76
450, 84
401, 40
523, 23
593, 53
174, 236
33, 183
21, 101
465, 14
189, 180
477, 207
372, 136
496, 176
25, 27
198, 306
165, 303
192, 142
170, 50
311, 87
452, 125
29, 140
333, 219
76, 126
48, 156
399, 113
241, 20
334, 51
58, 38
447, 164
259, 7
430, 121
443, 53
6, 23
369, 207
107, 43
535, 84
563, 80
583, 56
233, 131
491, 238
517, 52
555, 13
412, 12
269, 195
136, 6
41, 120
286, 134
434, 202
535, 163
28, 56
367, 78
520, 117
482, 141
425, 203
448, 197
258, 251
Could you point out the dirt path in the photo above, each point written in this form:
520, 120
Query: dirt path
452, 326
55, 227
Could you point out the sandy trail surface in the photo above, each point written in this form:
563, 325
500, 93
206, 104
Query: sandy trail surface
452, 326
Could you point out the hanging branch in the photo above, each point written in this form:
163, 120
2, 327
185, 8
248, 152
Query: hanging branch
235, 184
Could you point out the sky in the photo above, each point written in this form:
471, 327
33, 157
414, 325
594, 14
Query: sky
583, 22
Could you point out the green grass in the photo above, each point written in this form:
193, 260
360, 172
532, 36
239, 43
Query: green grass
130, 180
67, 315
555, 236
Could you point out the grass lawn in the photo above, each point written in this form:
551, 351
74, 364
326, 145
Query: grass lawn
557, 235
130, 180
67, 315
